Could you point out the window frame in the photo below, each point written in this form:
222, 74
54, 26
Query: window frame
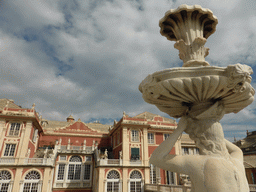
9, 150
14, 132
151, 138
165, 136
135, 135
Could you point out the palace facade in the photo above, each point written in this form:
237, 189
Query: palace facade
39, 155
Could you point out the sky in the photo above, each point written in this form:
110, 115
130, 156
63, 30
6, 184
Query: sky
87, 58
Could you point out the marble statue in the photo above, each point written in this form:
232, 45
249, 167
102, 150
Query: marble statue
200, 95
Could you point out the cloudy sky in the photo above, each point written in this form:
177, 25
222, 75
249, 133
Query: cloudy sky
88, 57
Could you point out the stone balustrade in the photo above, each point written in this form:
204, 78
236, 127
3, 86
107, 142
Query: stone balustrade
27, 161
177, 188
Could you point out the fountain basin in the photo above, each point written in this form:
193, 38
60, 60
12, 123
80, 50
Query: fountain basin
174, 91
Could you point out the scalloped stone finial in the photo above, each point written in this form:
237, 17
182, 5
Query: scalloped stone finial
189, 26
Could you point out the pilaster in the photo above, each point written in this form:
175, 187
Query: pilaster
17, 179
145, 146
125, 146
25, 137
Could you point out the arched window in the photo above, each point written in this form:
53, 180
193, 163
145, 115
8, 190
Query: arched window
135, 182
74, 168
32, 182
5, 178
113, 182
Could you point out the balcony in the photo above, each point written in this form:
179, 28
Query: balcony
27, 161
75, 149
39, 161
110, 162
8, 161
177, 188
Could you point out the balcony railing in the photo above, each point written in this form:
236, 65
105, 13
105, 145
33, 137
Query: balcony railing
252, 188
166, 188
71, 148
177, 188
8, 161
27, 161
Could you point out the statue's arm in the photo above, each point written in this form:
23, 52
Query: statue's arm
234, 151
161, 157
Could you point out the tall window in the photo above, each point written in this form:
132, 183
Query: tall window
113, 182
74, 168
135, 136
14, 129
5, 178
32, 182
61, 171
170, 178
9, 150
166, 135
135, 182
35, 135
151, 138
152, 174
135, 154
87, 172
185, 151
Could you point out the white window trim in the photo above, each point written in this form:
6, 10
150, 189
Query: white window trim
151, 138
135, 139
5, 145
66, 181
166, 134
9, 128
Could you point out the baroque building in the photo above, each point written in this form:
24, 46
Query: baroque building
39, 155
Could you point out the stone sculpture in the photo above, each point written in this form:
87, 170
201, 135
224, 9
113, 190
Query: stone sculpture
201, 95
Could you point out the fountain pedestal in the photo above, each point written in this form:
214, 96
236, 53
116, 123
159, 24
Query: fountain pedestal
200, 94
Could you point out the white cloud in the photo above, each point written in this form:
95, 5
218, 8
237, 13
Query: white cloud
89, 57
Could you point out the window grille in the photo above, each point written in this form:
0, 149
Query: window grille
14, 129
151, 138
5, 178
135, 136
61, 172
9, 150
74, 168
113, 182
87, 172
135, 182
152, 174
31, 183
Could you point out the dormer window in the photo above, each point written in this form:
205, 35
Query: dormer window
14, 129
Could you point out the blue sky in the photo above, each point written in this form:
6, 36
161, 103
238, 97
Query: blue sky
89, 57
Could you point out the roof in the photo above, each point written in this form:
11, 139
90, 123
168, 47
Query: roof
250, 161
52, 125
3, 103
186, 141
150, 116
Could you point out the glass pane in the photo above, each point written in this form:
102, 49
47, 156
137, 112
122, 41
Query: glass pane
4, 187
61, 172
87, 172
77, 172
26, 187
71, 169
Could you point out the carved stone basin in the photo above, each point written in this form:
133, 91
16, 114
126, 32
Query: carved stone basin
174, 91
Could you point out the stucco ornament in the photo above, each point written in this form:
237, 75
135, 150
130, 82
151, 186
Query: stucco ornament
200, 95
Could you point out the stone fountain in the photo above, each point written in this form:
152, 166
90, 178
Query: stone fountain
201, 95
